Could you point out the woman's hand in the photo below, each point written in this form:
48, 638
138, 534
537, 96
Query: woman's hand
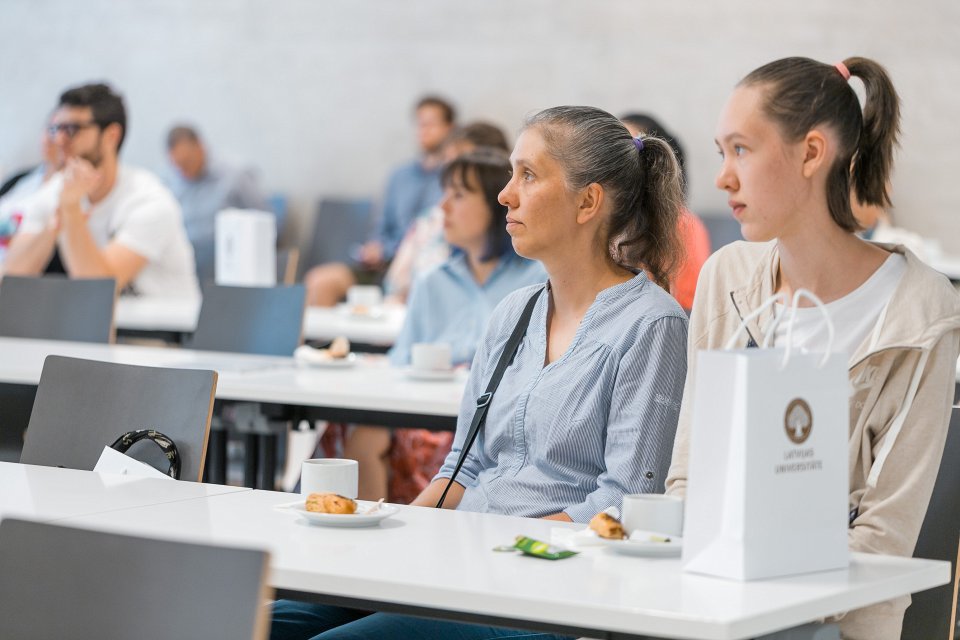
562, 517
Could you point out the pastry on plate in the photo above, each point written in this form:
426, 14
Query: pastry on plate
330, 503
606, 526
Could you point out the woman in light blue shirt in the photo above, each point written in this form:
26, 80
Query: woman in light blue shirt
452, 304
587, 410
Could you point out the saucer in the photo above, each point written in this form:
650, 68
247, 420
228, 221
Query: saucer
310, 357
362, 312
645, 547
347, 520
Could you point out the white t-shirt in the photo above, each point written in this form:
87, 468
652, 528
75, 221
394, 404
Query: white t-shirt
854, 315
142, 215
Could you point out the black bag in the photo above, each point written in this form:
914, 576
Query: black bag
127, 440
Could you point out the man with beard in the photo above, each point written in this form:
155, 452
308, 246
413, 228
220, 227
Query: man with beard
104, 219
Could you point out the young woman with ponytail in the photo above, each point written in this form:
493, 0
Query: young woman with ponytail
794, 141
587, 409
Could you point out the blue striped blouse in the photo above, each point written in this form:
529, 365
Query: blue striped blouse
595, 424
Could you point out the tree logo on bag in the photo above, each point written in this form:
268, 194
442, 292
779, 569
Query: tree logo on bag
798, 421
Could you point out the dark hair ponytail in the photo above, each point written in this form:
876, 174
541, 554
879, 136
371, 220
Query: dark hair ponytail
802, 94
643, 183
873, 161
648, 233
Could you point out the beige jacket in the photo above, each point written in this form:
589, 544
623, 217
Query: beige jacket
902, 378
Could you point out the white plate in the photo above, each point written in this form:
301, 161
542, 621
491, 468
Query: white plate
310, 357
646, 549
431, 376
371, 313
347, 520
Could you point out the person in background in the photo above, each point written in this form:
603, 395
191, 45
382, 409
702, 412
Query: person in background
588, 405
696, 240
411, 189
788, 137
451, 304
106, 220
878, 226
424, 246
22, 185
204, 188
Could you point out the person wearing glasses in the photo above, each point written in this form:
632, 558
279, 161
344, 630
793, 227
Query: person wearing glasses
23, 184
103, 219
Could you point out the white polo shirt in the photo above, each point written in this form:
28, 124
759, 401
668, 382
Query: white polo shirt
142, 215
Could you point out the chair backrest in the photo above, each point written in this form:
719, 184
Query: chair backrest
57, 308
932, 613
722, 227
60, 582
262, 320
340, 225
84, 405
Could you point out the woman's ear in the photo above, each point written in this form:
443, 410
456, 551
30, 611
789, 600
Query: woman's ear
589, 203
816, 148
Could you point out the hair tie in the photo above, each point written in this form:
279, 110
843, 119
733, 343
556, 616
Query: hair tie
638, 143
842, 68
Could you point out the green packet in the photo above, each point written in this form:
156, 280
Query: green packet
536, 548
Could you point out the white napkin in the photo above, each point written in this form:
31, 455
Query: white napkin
112, 461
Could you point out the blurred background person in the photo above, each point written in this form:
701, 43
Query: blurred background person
424, 246
450, 304
878, 226
24, 183
693, 233
104, 219
203, 188
411, 189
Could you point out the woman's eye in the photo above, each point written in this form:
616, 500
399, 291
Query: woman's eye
527, 176
738, 149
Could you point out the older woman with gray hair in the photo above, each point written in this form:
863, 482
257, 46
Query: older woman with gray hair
592, 364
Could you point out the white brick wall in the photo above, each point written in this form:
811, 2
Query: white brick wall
318, 91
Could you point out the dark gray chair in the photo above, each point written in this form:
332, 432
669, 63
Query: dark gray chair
84, 405
340, 225
932, 613
57, 308
261, 320
722, 227
59, 582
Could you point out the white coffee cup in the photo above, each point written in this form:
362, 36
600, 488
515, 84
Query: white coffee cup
329, 475
431, 356
653, 512
364, 295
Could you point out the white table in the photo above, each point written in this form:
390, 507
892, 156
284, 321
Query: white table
367, 392
441, 563
50, 493
179, 316
325, 323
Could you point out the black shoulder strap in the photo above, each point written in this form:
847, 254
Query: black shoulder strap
483, 402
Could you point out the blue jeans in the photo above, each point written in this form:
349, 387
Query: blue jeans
302, 621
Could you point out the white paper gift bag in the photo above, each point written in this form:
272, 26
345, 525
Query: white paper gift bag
246, 248
767, 486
